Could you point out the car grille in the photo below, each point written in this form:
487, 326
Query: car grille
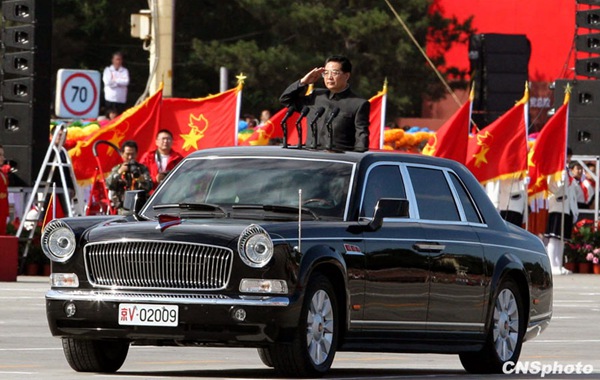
158, 265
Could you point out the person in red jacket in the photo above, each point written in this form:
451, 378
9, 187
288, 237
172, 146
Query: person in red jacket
163, 159
3, 194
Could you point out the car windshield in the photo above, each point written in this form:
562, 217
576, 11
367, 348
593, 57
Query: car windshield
238, 184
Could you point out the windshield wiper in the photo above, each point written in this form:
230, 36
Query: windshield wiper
277, 209
208, 207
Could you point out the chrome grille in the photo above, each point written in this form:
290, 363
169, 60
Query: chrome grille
147, 264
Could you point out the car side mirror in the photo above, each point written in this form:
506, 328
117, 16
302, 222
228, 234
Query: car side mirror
134, 201
388, 208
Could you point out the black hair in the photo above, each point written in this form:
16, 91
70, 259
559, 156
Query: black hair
130, 144
165, 131
569, 151
573, 164
345, 62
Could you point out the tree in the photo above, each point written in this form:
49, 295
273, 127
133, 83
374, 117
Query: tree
276, 42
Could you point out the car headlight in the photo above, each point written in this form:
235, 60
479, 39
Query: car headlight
255, 246
58, 241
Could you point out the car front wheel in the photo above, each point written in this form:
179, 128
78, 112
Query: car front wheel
95, 355
314, 345
505, 337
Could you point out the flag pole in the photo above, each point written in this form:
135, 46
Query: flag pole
526, 179
383, 111
566, 169
238, 105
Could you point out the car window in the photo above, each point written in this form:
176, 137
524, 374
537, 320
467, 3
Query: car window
384, 181
433, 195
467, 203
258, 181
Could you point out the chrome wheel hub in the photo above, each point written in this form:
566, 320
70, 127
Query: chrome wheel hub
320, 325
506, 324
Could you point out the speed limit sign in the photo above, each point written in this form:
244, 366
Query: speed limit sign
77, 94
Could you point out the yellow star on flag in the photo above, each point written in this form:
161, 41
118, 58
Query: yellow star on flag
480, 157
197, 126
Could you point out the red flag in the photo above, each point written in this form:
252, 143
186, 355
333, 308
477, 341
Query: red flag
547, 157
53, 211
499, 151
377, 118
452, 139
201, 123
139, 123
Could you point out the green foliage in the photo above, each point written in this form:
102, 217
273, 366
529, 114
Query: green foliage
273, 42
278, 42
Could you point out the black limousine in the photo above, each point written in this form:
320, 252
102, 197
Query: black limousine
300, 254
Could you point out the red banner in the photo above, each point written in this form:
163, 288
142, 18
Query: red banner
139, 123
452, 139
201, 123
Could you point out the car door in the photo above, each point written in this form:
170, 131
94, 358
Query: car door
457, 281
396, 274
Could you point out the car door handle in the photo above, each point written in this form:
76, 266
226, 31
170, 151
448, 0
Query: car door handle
429, 247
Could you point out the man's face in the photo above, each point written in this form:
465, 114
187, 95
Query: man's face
117, 61
577, 171
164, 143
335, 79
129, 154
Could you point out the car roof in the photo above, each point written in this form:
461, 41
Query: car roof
351, 157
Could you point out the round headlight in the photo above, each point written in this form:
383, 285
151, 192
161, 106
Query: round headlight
58, 241
255, 246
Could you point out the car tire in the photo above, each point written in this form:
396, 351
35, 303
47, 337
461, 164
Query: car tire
505, 335
314, 344
265, 356
86, 355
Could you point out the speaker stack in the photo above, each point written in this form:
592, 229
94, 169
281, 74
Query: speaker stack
584, 106
25, 85
499, 70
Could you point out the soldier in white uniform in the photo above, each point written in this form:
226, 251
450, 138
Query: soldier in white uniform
509, 196
562, 200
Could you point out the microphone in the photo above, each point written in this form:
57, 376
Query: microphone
288, 114
303, 113
328, 124
313, 125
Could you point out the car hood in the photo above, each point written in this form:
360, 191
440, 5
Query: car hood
207, 231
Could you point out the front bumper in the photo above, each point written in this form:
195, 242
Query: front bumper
203, 318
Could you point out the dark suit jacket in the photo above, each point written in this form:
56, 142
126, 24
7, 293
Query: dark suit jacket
350, 127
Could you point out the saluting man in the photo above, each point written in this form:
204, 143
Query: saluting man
351, 126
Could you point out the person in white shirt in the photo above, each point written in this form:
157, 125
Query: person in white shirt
116, 80
562, 200
509, 196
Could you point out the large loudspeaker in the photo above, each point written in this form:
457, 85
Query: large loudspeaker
499, 69
25, 85
584, 114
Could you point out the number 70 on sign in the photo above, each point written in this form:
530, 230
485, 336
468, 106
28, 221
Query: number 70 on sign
77, 94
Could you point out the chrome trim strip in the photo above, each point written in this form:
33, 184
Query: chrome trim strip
541, 317
413, 240
415, 323
184, 299
140, 277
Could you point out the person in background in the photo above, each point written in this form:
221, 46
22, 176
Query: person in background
265, 115
510, 198
562, 203
4, 209
163, 159
130, 175
585, 192
116, 80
